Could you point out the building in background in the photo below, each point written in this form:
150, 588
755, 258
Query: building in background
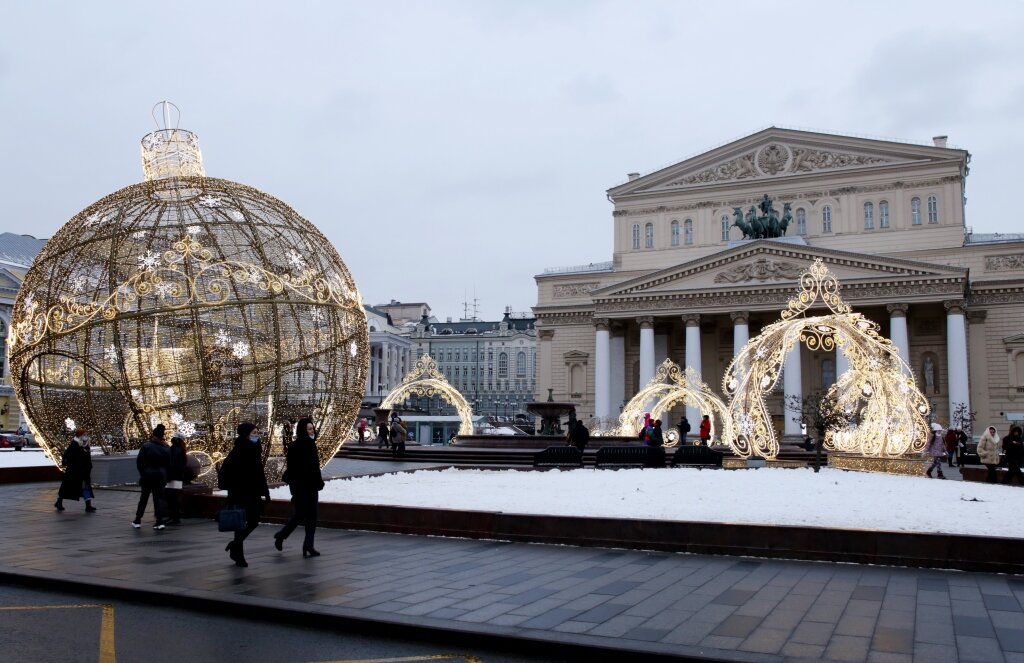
887, 218
404, 313
390, 357
16, 255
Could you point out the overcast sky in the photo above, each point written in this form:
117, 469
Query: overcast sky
453, 148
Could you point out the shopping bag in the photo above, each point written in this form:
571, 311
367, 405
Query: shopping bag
231, 519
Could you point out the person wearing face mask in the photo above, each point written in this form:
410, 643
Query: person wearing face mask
77, 481
305, 483
243, 476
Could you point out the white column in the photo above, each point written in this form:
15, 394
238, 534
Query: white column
618, 372
544, 339
740, 330
692, 322
956, 355
842, 363
898, 330
385, 358
646, 349
792, 383
660, 349
602, 370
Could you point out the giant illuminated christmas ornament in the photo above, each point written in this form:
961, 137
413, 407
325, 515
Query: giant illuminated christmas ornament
189, 301
877, 394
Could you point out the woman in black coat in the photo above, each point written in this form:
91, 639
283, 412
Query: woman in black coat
243, 477
77, 481
305, 482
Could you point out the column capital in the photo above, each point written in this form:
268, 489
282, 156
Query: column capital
691, 319
602, 324
645, 321
740, 317
545, 334
955, 306
898, 310
977, 315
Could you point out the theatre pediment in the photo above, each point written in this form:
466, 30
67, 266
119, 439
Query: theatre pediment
766, 263
779, 153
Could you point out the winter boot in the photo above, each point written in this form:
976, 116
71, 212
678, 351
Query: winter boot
941, 475
59, 504
929, 473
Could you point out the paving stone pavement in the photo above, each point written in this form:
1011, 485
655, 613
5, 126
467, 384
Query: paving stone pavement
720, 608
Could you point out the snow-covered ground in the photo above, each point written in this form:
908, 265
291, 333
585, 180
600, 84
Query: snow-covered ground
28, 457
832, 498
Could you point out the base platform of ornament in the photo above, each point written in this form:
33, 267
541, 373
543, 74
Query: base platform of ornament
908, 466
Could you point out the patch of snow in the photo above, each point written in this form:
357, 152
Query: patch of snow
765, 496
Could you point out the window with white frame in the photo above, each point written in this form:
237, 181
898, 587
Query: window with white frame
649, 236
521, 364
869, 216
688, 232
933, 209
503, 365
801, 221
826, 219
883, 214
915, 211
725, 228
636, 235
675, 232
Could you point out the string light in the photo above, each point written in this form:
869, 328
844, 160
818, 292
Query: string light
190, 301
426, 380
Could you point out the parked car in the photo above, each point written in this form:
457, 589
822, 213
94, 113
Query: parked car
13, 440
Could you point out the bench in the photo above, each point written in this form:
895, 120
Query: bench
562, 456
632, 456
696, 456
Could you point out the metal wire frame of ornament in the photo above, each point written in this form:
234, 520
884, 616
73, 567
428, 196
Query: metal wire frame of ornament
670, 386
894, 407
426, 380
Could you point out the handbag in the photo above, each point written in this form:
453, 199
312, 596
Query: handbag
231, 519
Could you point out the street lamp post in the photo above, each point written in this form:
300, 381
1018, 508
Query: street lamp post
381, 388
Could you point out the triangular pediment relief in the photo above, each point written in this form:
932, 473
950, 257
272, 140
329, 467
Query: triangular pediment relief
9, 280
766, 263
1015, 340
778, 153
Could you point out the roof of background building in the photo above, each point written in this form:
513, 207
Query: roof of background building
19, 250
470, 327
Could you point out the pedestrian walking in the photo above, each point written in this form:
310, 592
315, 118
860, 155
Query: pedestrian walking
397, 437
243, 476
657, 436
362, 430
950, 441
989, 447
153, 461
684, 429
705, 430
382, 434
77, 464
176, 476
936, 449
1013, 447
579, 435
302, 474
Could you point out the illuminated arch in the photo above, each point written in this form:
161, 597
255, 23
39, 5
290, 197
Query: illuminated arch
669, 387
878, 389
425, 380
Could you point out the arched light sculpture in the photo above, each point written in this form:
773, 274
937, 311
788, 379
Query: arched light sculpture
426, 380
877, 389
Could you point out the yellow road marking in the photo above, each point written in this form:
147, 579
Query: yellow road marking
107, 650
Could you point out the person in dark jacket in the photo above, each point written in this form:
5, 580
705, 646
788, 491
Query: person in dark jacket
153, 461
1013, 448
305, 483
684, 429
243, 476
77, 481
579, 435
657, 436
176, 478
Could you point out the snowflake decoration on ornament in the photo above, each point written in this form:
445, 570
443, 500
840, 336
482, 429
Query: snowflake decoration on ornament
177, 419
194, 230
164, 289
745, 423
139, 234
78, 284
209, 201
187, 429
70, 423
295, 260
316, 314
221, 338
29, 302
240, 350
171, 395
110, 354
761, 353
352, 349
150, 261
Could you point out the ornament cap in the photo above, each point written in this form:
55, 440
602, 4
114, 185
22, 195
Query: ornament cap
169, 151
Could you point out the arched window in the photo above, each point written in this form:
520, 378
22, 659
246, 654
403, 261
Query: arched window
725, 228
828, 372
915, 211
826, 219
649, 236
688, 232
521, 364
636, 235
883, 214
869, 216
503, 365
801, 221
675, 232
933, 209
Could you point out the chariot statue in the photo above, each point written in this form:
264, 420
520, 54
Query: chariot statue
765, 225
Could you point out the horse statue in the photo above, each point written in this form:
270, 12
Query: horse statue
787, 217
740, 223
757, 229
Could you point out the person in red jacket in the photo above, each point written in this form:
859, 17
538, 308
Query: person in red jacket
705, 430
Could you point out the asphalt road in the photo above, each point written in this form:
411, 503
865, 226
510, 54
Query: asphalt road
52, 627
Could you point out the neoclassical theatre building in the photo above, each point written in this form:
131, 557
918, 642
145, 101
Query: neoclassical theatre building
887, 218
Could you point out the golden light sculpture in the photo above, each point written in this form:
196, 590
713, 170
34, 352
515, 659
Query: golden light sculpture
426, 380
877, 389
189, 301
670, 386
